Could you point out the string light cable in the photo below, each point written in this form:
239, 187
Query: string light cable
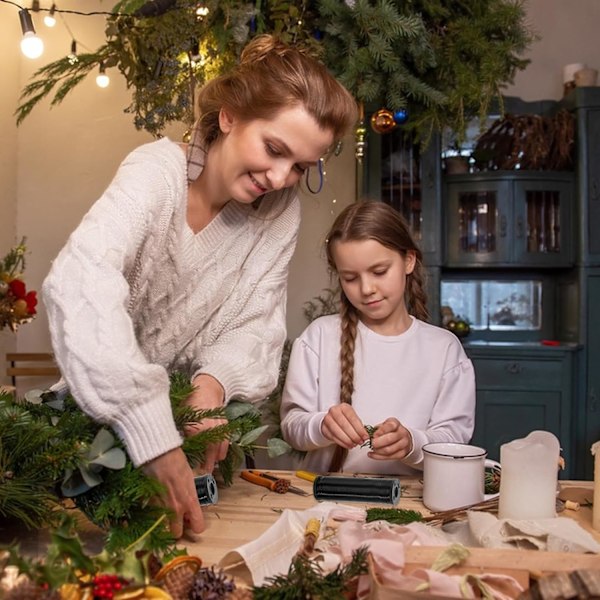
152, 8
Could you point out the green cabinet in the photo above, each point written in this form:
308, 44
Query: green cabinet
587, 413
522, 388
585, 103
509, 218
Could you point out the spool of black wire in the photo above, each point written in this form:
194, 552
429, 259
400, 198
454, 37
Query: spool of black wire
206, 488
357, 489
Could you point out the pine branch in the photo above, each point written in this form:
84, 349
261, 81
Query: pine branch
306, 579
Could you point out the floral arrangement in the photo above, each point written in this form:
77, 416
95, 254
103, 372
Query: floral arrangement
17, 305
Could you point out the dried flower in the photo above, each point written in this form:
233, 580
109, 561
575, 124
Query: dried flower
17, 305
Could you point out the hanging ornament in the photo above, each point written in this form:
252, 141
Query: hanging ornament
360, 133
383, 121
401, 116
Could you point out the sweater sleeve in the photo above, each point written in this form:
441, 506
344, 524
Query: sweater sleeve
243, 346
300, 415
86, 296
453, 415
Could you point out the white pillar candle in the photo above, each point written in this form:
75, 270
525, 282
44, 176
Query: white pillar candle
529, 477
596, 500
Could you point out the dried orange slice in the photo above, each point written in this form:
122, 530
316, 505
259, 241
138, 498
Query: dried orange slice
190, 562
130, 594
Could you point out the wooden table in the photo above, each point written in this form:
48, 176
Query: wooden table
245, 511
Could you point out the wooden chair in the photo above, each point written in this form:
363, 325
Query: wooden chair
30, 364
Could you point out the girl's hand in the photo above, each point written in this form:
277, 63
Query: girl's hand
180, 496
342, 426
208, 393
391, 441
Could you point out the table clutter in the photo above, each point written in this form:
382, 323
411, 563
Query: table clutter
262, 542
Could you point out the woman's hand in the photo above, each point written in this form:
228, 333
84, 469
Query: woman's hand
391, 440
208, 393
173, 471
342, 426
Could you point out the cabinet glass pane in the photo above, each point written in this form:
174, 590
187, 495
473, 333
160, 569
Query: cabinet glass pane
495, 305
477, 221
543, 221
401, 178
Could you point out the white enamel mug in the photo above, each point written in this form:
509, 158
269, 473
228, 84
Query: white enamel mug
454, 475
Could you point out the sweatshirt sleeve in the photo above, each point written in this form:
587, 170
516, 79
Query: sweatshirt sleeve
301, 416
86, 296
245, 338
453, 415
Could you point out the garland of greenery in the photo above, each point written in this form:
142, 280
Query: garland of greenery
51, 451
441, 62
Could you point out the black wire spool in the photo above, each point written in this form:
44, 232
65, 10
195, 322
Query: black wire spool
206, 488
357, 489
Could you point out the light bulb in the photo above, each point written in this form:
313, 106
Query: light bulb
102, 79
31, 45
72, 56
49, 19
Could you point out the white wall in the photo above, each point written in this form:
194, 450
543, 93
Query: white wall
55, 165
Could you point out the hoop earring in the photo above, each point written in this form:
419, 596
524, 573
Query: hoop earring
321, 178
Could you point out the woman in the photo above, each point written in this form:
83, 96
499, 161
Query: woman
182, 263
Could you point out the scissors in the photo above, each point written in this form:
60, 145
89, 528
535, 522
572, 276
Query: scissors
275, 484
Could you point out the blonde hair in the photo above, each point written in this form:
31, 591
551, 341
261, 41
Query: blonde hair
269, 77
371, 220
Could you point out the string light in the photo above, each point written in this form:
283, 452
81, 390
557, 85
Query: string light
31, 45
102, 79
201, 12
50, 19
72, 56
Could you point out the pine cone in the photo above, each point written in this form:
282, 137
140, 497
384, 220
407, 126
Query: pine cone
211, 585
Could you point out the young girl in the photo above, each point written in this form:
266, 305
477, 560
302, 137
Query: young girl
182, 264
377, 364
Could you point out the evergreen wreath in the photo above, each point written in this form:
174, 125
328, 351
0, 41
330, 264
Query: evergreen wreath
53, 456
439, 62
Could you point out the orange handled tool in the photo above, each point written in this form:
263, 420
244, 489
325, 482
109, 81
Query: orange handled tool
280, 486
275, 484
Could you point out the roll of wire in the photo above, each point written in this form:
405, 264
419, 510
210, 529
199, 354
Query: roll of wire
357, 489
206, 488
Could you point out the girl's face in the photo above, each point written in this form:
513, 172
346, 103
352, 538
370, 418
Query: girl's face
258, 156
373, 278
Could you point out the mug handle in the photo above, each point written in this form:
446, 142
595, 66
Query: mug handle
493, 465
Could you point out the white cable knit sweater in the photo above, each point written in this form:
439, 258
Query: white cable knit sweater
135, 294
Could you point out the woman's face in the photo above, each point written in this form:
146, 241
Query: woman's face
258, 156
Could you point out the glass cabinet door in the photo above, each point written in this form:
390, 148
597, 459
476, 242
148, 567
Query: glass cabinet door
543, 223
478, 220
401, 173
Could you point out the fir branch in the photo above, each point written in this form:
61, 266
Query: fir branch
306, 579
40, 445
397, 516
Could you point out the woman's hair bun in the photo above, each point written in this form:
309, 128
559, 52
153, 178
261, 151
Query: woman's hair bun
262, 46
